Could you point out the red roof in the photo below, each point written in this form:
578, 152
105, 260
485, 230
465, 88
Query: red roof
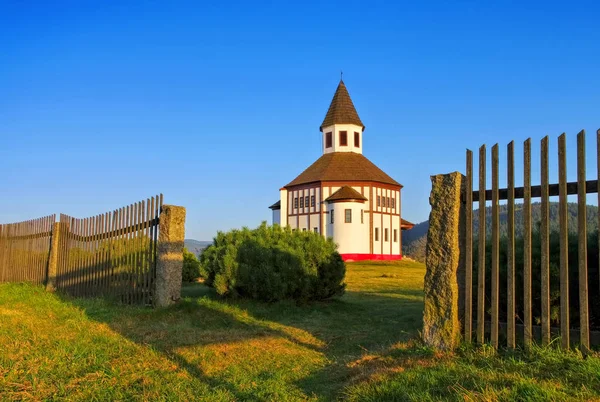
342, 166
346, 193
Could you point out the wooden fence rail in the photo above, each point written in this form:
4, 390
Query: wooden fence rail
510, 193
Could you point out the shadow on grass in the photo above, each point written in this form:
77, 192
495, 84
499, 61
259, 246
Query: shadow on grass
340, 330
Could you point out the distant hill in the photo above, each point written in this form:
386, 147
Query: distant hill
196, 246
415, 240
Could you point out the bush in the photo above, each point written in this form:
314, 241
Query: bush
272, 263
191, 267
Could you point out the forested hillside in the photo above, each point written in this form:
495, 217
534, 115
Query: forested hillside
415, 240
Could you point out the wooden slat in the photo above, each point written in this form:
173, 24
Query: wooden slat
591, 186
584, 323
469, 250
545, 244
148, 257
113, 255
481, 251
564, 241
85, 278
153, 230
106, 256
129, 216
510, 280
138, 253
495, 248
121, 252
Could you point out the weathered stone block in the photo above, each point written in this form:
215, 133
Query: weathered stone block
170, 255
441, 326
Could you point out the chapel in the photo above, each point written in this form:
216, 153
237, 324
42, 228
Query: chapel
343, 195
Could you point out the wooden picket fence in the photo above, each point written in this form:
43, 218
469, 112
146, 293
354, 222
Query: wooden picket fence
25, 249
112, 254
581, 187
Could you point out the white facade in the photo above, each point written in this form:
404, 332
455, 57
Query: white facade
351, 237
335, 130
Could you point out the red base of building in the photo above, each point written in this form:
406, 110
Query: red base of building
371, 257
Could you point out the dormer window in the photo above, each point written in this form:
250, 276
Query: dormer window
328, 140
343, 138
356, 140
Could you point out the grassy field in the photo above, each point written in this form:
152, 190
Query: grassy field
363, 346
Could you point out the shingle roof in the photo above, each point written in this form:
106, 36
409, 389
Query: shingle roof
342, 166
277, 205
346, 193
341, 110
406, 224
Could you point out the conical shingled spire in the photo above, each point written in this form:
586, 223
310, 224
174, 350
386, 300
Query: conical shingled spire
341, 110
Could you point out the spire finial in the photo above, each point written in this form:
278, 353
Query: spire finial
341, 75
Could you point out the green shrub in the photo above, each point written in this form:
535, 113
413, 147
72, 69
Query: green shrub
191, 267
272, 263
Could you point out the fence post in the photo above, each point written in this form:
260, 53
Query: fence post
445, 241
53, 259
170, 255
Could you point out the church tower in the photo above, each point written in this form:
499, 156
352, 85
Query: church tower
342, 128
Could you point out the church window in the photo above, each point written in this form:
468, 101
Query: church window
331, 217
393, 203
312, 200
356, 139
378, 201
395, 235
296, 202
343, 138
328, 141
348, 215
385, 234
387, 200
362, 216
301, 202
376, 234
316, 230
306, 201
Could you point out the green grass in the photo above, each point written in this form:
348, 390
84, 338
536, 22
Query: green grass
363, 346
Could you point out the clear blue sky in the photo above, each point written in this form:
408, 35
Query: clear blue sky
219, 105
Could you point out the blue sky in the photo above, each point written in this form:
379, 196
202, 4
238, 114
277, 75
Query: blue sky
217, 105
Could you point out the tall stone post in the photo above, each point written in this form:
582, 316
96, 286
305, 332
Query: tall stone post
445, 243
53, 259
170, 255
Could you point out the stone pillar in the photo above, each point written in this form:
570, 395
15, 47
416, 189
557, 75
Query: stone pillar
170, 255
444, 254
53, 259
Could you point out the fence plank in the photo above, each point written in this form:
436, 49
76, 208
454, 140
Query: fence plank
545, 244
153, 230
148, 252
527, 321
564, 242
138, 253
582, 248
495, 248
481, 259
510, 280
469, 250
